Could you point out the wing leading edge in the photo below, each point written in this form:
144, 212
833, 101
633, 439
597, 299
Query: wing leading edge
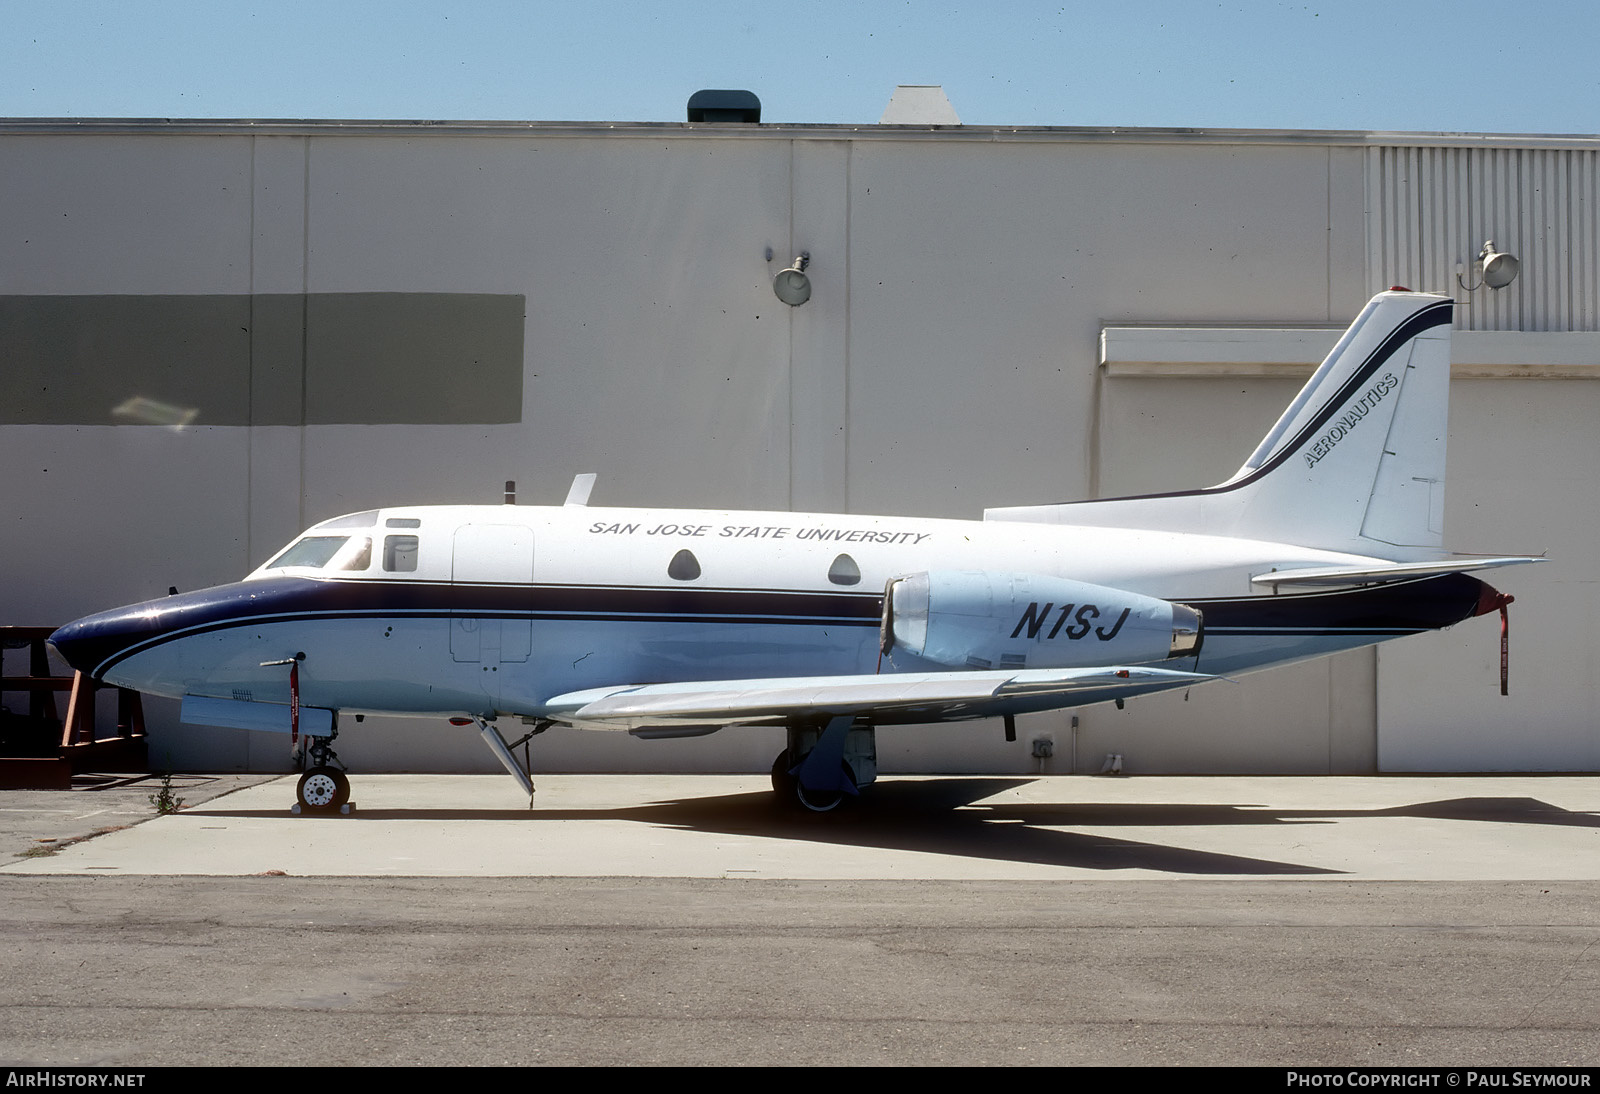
892, 698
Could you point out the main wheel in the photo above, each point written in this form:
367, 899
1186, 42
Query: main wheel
783, 783
824, 801
322, 790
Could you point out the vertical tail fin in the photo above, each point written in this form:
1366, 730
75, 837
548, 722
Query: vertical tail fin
1356, 463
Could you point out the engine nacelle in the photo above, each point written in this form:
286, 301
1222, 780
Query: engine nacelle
981, 620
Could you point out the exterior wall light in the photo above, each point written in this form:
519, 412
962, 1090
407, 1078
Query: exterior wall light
1495, 269
792, 286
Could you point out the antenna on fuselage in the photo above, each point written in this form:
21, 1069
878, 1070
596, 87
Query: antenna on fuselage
511, 491
578, 494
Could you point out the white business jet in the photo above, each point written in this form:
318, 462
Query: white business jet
665, 622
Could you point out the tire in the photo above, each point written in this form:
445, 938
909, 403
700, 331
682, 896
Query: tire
825, 801
783, 783
322, 790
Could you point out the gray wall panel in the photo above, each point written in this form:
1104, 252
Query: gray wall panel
413, 357
355, 358
83, 360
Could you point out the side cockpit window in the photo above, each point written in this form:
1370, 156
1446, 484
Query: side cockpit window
357, 557
400, 554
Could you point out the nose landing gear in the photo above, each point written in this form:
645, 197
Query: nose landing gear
324, 788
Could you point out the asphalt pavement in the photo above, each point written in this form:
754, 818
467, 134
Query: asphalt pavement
1416, 921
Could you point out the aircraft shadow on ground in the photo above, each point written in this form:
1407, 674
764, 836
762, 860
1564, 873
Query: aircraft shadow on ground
952, 817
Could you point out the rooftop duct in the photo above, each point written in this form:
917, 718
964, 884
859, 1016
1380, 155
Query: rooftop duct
725, 106
919, 104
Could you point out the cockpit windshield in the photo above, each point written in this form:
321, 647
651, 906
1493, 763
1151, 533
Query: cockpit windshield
310, 551
326, 552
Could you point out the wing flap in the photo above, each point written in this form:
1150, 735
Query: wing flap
928, 696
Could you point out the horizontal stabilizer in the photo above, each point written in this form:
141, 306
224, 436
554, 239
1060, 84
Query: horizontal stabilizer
1376, 575
927, 696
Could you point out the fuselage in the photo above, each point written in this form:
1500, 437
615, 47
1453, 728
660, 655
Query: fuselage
483, 609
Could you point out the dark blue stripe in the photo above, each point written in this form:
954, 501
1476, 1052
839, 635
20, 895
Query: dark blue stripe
1401, 607
97, 643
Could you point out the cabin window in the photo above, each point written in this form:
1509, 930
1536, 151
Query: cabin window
400, 554
403, 522
844, 571
684, 566
310, 551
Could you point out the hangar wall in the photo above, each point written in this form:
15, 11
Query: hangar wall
950, 359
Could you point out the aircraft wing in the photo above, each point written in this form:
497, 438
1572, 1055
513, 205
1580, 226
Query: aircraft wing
1375, 575
893, 697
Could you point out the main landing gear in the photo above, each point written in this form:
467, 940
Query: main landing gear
324, 788
823, 768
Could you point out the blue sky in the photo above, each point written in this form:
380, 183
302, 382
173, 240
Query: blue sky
1461, 66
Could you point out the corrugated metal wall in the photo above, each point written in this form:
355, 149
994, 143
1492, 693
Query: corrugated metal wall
1429, 208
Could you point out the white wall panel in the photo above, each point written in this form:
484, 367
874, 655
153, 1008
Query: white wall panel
819, 330
97, 516
1523, 463
124, 214
278, 214
982, 275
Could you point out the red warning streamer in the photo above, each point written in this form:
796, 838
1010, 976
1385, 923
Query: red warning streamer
1490, 600
294, 703
1505, 646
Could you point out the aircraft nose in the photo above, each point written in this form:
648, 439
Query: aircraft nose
101, 646
87, 644
68, 642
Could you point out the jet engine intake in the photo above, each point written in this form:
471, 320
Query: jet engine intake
975, 619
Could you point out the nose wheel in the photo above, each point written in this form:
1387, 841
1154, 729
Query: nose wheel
322, 790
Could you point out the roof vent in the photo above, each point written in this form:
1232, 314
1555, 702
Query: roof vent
917, 104
725, 106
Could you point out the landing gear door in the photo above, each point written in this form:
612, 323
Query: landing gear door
495, 563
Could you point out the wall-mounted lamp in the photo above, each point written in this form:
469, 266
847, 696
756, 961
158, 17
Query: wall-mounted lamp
792, 286
1495, 269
